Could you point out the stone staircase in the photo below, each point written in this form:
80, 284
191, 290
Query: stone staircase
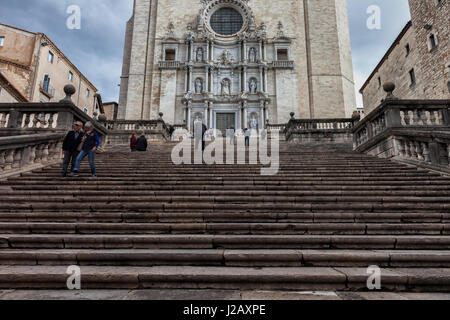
145, 223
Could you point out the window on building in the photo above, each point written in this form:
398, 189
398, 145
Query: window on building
88, 92
282, 55
412, 77
46, 83
379, 82
170, 54
432, 42
2, 41
437, 2
51, 57
70, 76
408, 49
226, 21
85, 110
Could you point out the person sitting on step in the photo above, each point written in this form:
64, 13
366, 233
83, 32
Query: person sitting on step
141, 144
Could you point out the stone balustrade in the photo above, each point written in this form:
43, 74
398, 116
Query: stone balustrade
276, 127
429, 149
283, 64
121, 130
330, 131
169, 64
430, 115
412, 131
20, 118
28, 152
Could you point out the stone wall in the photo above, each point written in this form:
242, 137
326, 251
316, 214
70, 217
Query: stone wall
395, 67
431, 68
434, 66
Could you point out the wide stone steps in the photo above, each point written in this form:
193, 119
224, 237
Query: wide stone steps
200, 277
227, 228
230, 258
227, 217
244, 207
228, 241
146, 223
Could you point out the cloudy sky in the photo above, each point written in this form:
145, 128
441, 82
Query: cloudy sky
97, 48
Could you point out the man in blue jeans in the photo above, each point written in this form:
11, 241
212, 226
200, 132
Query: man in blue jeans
90, 143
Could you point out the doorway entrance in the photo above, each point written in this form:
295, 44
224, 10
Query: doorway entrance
224, 121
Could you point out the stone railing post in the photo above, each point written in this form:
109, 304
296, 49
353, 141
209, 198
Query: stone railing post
434, 152
9, 159
15, 119
2, 160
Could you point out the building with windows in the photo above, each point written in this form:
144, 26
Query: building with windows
418, 62
39, 70
241, 63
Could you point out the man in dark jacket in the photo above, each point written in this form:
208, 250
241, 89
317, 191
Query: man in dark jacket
91, 142
70, 147
141, 144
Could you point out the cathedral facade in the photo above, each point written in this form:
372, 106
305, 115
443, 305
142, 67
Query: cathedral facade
240, 63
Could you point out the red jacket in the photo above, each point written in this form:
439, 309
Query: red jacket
133, 142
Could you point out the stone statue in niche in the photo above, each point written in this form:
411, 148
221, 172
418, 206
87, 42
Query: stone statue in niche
199, 86
225, 87
226, 57
253, 122
253, 85
252, 20
199, 55
200, 19
252, 55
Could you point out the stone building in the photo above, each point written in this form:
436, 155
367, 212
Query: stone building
40, 70
111, 110
418, 62
241, 63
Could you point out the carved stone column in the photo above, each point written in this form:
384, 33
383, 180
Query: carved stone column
190, 79
211, 120
206, 89
205, 113
245, 105
244, 45
265, 80
266, 111
265, 50
261, 77
207, 51
189, 112
191, 51
186, 79
262, 114
245, 80
260, 50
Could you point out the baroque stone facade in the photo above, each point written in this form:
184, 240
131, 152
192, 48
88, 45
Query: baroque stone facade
418, 62
241, 63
